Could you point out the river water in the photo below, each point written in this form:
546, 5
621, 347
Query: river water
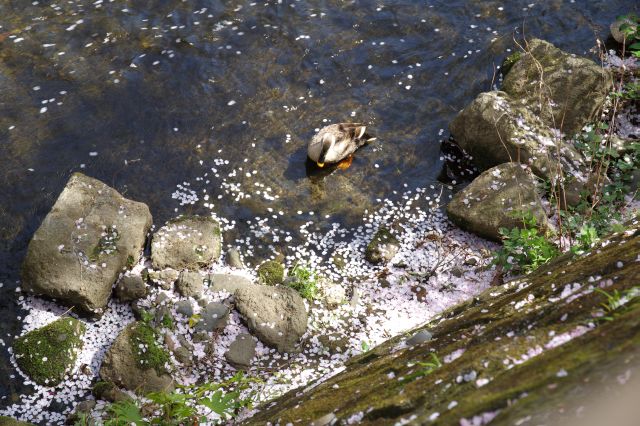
167, 99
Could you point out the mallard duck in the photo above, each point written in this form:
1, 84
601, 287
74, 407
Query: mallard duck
336, 142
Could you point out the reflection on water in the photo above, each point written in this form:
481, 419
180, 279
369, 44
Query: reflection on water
148, 95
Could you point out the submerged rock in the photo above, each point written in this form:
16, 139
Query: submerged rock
497, 199
382, 248
565, 90
518, 351
130, 287
276, 315
241, 351
188, 242
136, 361
47, 353
496, 129
90, 235
233, 258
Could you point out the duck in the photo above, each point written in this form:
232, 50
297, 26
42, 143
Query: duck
336, 142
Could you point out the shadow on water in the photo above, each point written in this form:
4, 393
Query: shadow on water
149, 95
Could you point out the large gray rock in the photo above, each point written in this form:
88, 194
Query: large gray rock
136, 361
276, 315
213, 317
490, 201
566, 90
130, 287
496, 129
228, 282
188, 242
241, 351
90, 235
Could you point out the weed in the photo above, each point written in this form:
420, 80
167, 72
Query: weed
304, 281
426, 368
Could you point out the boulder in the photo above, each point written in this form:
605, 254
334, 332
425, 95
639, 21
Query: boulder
276, 315
130, 287
228, 282
90, 235
107, 391
213, 317
565, 90
496, 129
241, 351
494, 199
47, 353
136, 361
382, 247
164, 278
233, 258
188, 242
184, 307
190, 284
271, 272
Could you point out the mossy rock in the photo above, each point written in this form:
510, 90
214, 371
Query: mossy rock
47, 353
271, 272
8, 421
524, 349
510, 61
382, 247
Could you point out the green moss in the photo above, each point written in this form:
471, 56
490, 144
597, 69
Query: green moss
510, 61
271, 272
47, 353
151, 354
8, 421
106, 245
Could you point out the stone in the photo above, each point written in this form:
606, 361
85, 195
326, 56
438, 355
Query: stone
234, 259
190, 284
335, 343
48, 353
128, 366
228, 282
184, 307
496, 129
184, 342
276, 315
8, 421
183, 355
572, 91
271, 272
83, 408
164, 278
241, 351
420, 337
188, 242
130, 288
107, 391
332, 294
493, 201
326, 420
90, 235
213, 317
382, 248
616, 33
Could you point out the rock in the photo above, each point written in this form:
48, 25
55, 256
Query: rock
164, 317
335, 343
616, 33
107, 391
509, 61
47, 353
213, 317
227, 282
233, 258
241, 351
183, 355
420, 337
164, 278
90, 235
276, 315
493, 200
190, 284
127, 365
161, 299
271, 272
457, 271
184, 307
333, 295
83, 408
326, 420
355, 298
382, 248
184, 342
496, 129
572, 91
130, 287
188, 242
8, 421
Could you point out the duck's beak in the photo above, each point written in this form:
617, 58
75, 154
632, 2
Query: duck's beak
320, 164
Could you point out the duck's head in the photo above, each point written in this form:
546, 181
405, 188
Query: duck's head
328, 140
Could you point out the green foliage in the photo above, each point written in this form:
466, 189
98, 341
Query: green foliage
630, 28
365, 346
185, 405
616, 301
147, 351
271, 272
629, 92
304, 281
426, 368
524, 249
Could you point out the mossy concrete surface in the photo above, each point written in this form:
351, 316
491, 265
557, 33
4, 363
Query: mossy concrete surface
47, 353
535, 348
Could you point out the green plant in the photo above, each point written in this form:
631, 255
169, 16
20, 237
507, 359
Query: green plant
304, 281
629, 28
365, 346
616, 301
524, 248
212, 403
426, 368
147, 351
